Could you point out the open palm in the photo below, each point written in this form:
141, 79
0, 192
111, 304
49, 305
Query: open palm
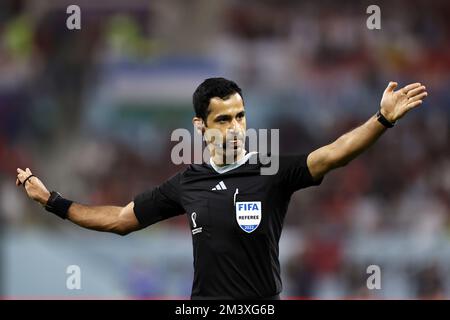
395, 104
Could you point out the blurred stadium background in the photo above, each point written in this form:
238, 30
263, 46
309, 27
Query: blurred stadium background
91, 113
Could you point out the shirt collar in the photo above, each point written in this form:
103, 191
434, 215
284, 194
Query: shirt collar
234, 165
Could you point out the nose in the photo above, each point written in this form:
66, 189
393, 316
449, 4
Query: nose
235, 126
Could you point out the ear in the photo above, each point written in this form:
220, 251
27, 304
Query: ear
199, 125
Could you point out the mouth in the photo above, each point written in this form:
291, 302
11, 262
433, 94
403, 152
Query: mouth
235, 144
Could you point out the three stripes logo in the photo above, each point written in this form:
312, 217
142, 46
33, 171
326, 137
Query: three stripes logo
220, 186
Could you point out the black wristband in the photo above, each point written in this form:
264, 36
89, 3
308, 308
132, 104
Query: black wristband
385, 122
58, 205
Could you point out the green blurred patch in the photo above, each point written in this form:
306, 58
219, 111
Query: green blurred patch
124, 35
18, 37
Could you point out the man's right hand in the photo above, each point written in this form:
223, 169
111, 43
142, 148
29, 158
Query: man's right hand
115, 219
34, 187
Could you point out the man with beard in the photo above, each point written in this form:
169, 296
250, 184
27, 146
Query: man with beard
235, 213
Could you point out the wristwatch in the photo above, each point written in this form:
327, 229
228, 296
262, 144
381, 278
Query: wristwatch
385, 122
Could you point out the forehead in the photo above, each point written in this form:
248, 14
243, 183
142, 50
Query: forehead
231, 104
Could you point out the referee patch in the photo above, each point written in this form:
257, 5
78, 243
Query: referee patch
248, 215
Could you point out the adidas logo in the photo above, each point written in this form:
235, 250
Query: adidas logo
220, 186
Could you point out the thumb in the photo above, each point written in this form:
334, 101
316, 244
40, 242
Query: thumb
391, 86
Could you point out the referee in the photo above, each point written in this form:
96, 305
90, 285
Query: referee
235, 213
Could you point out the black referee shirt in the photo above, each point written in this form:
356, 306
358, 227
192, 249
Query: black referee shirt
236, 218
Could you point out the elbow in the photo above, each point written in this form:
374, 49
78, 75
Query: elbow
123, 233
122, 229
126, 222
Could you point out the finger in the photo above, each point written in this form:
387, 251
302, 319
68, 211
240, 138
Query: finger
418, 97
27, 170
416, 91
413, 104
20, 170
20, 177
18, 183
412, 86
391, 86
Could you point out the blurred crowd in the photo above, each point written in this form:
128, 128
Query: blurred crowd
77, 107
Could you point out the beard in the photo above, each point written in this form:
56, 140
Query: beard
232, 148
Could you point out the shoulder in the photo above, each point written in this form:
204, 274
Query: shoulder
195, 172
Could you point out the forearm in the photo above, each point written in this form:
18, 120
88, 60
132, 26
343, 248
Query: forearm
393, 106
353, 143
100, 218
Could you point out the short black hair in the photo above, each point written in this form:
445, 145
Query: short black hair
210, 88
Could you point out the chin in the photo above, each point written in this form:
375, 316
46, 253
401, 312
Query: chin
233, 154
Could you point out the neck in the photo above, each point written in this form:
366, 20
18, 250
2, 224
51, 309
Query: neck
220, 160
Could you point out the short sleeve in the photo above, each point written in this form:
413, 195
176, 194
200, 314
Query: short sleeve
159, 204
294, 173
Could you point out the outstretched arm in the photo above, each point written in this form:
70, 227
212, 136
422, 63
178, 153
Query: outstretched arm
115, 219
394, 105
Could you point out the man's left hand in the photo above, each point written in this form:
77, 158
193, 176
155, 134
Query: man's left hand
395, 104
